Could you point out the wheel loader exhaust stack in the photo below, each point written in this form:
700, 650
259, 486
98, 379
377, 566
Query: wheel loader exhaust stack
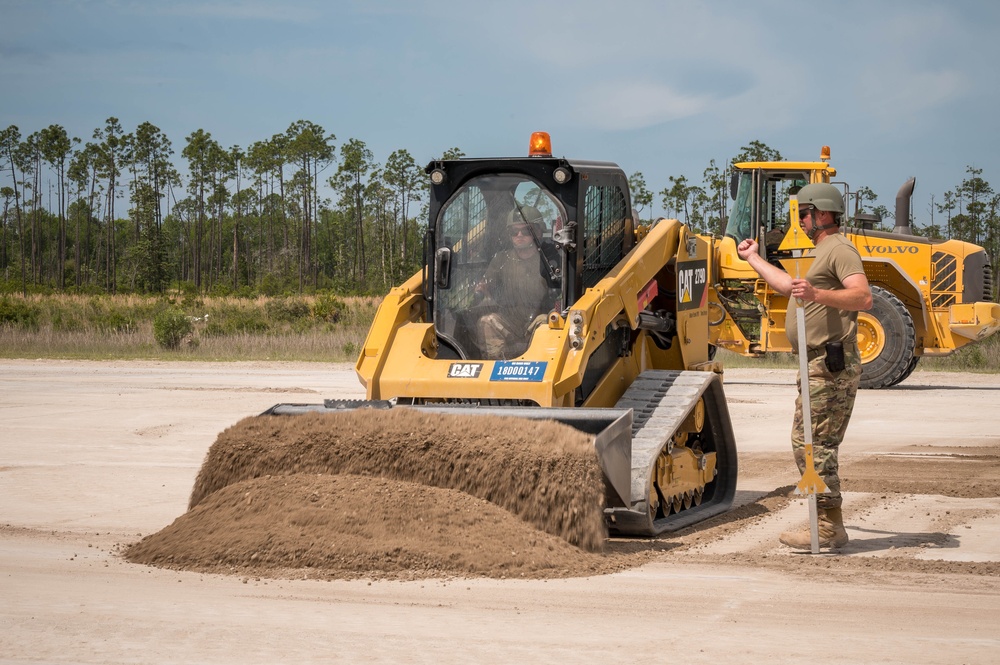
540, 297
903, 208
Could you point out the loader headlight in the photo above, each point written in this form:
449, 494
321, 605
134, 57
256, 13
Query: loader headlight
437, 176
561, 175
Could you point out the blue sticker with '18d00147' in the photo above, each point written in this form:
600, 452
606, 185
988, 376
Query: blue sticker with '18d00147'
518, 370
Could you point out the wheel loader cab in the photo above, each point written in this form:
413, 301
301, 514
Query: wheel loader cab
761, 207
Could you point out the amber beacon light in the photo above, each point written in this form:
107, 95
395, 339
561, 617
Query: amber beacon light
540, 145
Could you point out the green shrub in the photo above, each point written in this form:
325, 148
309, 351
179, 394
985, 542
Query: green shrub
115, 321
170, 327
287, 309
221, 290
302, 326
64, 321
228, 318
109, 315
85, 290
190, 296
246, 321
17, 312
271, 285
214, 328
329, 307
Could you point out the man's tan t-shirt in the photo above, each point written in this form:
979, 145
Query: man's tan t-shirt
835, 259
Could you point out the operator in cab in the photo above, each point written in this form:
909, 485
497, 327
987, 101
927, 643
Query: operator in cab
514, 283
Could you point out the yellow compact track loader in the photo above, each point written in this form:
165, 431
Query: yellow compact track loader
931, 297
599, 324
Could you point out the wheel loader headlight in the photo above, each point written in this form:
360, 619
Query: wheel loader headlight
437, 176
561, 175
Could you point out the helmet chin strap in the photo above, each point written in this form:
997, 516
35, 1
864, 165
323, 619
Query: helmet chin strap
816, 229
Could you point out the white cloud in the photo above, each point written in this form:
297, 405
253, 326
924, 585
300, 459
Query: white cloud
635, 105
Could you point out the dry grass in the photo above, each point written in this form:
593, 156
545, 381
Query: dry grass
336, 346
304, 328
320, 328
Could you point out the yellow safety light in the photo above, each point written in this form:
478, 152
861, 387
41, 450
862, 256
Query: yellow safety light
824, 153
540, 145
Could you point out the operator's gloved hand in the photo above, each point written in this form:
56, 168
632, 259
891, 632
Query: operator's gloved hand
536, 322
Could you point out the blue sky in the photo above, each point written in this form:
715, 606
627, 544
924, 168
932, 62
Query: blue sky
897, 89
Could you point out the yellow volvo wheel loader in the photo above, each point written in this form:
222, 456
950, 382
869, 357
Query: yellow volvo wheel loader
603, 326
931, 297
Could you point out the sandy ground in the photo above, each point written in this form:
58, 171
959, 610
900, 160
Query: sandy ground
96, 455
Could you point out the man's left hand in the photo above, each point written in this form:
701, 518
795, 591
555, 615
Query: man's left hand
803, 290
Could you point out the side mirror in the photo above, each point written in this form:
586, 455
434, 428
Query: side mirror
734, 185
442, 268
565, 238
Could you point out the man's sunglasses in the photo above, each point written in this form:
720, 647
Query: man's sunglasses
804, 211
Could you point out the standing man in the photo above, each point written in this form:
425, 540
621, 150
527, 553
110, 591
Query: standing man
832, 293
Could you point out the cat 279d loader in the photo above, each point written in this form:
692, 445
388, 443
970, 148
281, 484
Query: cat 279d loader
931, 297
616, 345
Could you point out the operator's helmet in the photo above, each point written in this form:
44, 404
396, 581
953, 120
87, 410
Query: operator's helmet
524, 215
823, 196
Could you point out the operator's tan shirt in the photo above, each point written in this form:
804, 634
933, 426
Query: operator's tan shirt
835, 259
518, 287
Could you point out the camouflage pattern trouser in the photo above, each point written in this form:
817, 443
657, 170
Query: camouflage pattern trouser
501, 340
831, 400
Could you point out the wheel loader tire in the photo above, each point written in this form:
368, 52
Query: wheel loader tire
909, 370
886, 339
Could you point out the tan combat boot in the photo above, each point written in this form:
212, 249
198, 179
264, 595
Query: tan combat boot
831, 532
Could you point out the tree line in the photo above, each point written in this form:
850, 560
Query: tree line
114, 214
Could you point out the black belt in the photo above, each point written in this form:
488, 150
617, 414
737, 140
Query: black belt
813, 354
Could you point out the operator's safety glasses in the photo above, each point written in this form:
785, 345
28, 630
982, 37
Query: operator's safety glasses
520, 231
805, 211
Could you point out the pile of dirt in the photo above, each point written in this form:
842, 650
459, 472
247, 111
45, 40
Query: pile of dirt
348, 526
392, 493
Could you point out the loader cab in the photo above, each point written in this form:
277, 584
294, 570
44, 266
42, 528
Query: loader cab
479, 278
762, 193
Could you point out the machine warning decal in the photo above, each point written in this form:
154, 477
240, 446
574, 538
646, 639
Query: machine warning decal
464, 370
647, 295
692, 280
518, 370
